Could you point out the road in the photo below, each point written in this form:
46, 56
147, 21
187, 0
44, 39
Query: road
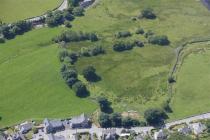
62, 7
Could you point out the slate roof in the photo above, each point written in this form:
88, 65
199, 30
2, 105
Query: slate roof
79, 119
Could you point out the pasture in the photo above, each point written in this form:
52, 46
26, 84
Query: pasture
14, 10
31, 84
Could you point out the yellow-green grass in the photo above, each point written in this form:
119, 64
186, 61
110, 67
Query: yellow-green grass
192, 89
132, 80
14, 10
30, 81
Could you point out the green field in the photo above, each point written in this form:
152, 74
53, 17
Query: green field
14, 10
32, 87
30, 82
191, 95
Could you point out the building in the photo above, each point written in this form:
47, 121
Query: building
109, 134
86, 3
197, 128
160, 135
184, 130
81, 121
52, 126
25, 127
53, 137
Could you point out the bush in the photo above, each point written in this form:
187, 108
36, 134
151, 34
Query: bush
62, 54
159, 40
148, 34
80, 89
120, 46
129, 122
140, 31
2, 40
116, 120
78, 11
92, 51
55, 19
148, 13
90, 74
154, 116
104, 120
171, 80
104, 104
68, 15
139, 43
71, 36
67, 24
123, 34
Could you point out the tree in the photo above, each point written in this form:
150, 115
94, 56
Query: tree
90, 74
80, 89
154, 116
74, 3
104, 104
140, 31
78, 11
104, 120
2, 40
127, 122
116, 119
148, 13
62, 54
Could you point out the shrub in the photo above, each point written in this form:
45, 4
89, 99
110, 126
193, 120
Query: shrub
90, 74
92, 51
55, 19
139, 43
140, 31
159, 40
120, 46
78, 11
62, 54
104, 104
171, 80
123, 34
104, 120
129, 122
80, 89
116, 120
92, 37
73, 2
148, 13
154, 116
2, 40
68, 15
149, 33
71, 36
67, 24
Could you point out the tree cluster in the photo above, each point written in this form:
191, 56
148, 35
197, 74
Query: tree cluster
92, 51
11, 30
59, 17
71, 36
123, 34
70, 76
122, 46
74, 3
67, 57
155, 116
105, 105
116, 120
159, 40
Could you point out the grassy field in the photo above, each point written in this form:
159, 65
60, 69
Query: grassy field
192, 89
30, 81
132, 80
14, 10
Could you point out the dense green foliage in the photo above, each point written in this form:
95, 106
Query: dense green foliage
123, 34
92, 51
148, 13
18, 28
71, 36
121, 46
159, 40
116, 120
80, 89
155, 116
104, 104
89, 73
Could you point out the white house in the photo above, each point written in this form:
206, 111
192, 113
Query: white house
197, 128
160, 135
